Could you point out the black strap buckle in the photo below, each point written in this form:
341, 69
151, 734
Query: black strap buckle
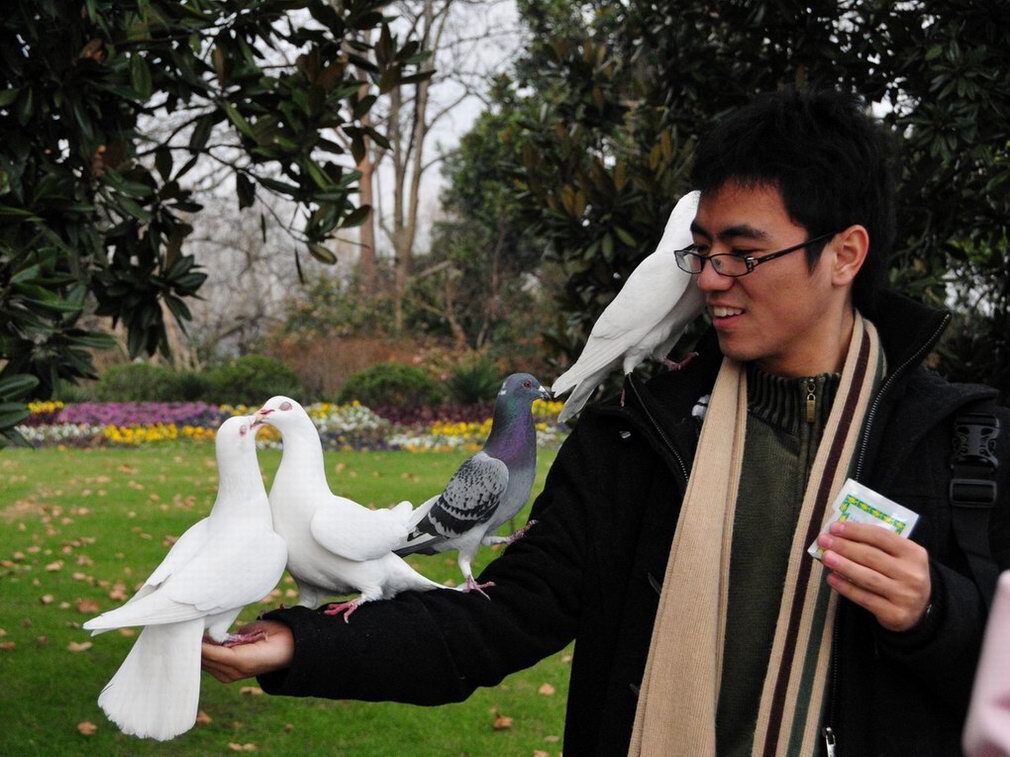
972, 492
975, 439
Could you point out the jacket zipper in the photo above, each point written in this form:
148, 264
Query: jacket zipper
659, 430
830, 739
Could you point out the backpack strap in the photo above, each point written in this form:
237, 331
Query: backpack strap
973, 491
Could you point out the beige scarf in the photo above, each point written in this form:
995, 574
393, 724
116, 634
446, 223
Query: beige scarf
679, 694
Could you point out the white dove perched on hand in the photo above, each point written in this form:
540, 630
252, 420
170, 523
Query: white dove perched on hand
335, 545
647, 317
488, 489
229, 559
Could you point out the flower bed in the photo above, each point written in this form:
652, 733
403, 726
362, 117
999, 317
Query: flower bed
351, 426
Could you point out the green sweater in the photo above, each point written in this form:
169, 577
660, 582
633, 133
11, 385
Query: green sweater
783, 430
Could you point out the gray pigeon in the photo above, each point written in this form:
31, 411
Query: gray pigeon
488, 489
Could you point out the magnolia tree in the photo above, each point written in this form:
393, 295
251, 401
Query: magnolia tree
113, 109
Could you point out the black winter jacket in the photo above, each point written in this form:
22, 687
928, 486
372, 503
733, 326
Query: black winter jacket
591, 570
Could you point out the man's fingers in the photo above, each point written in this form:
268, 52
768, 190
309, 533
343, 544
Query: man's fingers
882, 538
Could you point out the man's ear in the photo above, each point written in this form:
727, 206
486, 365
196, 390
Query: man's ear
850, 247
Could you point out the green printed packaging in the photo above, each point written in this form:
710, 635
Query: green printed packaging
856, 503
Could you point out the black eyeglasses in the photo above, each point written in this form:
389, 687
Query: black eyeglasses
730, 264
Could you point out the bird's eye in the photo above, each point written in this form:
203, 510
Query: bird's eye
285, 406
527, 384
243, 430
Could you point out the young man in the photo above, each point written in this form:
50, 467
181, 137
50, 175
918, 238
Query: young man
676, 557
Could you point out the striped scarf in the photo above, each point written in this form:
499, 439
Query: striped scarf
679, 694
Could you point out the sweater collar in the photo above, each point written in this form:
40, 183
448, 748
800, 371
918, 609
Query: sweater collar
788, 402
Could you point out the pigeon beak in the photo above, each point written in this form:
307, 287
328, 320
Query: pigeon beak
544, 393
261, 416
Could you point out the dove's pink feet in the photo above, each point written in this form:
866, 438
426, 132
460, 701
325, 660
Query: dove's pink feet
342, 607
472, 585
519, 532
237, 639
673, 365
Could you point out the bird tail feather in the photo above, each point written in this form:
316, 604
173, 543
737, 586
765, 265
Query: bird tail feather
576, 401
156, 691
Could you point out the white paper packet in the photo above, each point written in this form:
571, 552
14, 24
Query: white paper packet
856, 503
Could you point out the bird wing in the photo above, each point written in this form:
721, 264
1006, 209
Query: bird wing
184, 549
354, 532
469, 500
227, 573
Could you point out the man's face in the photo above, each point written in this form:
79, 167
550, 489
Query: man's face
788, 319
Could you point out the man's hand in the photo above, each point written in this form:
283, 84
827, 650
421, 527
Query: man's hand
230, 664
879, 571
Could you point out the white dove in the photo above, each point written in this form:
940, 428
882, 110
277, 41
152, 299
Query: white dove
335, 545
647, 317
229, 559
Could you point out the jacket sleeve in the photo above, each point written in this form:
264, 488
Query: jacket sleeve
943, 649
437, 647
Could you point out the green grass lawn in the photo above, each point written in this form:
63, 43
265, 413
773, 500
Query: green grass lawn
81, 529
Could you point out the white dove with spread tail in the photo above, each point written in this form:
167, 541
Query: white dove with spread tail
647, 317
335, 545
488, 489
224, 562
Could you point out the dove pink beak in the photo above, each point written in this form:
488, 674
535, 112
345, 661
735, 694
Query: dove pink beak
260, 417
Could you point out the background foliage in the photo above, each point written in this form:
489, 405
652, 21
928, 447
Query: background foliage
93, 195
609, 99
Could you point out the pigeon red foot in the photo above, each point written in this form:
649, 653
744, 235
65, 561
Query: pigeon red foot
472, 585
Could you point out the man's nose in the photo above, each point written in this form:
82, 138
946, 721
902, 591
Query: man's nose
710, 281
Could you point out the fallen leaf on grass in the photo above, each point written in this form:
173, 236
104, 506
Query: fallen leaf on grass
251, 690
566, 658
55, 566
128, 632
552, 739
118, 592
3, 632
502, 723
541, 753
46, 599
41, 641
202, 718
19, 556
241, 747
87, 606
83, 646
6, 646
546, 690
288, 728
87, 728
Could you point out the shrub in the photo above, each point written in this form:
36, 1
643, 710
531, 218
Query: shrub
135, 382
474, 381
252, 380
391, 384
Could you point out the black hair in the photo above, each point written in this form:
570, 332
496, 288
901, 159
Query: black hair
829, 159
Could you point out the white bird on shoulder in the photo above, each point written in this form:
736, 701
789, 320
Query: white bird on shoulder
224, 562
335, 545
647, 317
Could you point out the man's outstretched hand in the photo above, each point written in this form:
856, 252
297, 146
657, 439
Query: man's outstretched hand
880, 571
230, 664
